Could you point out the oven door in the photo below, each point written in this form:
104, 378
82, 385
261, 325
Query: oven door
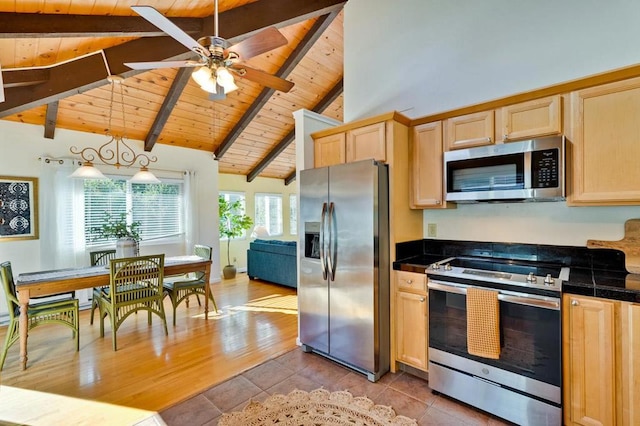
530, 334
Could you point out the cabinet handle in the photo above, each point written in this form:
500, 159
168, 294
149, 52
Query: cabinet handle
409, 281
575, 303
488, 139
422, 299
505, 137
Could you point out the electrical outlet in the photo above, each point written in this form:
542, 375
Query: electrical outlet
432, 230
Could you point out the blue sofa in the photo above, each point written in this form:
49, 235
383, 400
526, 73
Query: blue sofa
274, 261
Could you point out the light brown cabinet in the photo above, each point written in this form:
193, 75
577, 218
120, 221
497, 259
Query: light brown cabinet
329, 150
539, 117
605, 146
355, 144
630, 332
367, 142
427, 189
411, 319
601, 362
590, 354
469, 130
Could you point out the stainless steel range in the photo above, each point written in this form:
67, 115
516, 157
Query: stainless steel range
523, 384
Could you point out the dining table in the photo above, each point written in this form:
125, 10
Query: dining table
48, 283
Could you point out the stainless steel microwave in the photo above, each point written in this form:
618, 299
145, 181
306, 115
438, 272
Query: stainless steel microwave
530, 170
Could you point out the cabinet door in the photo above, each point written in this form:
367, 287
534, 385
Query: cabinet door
411, 326
426, 166
591, 361
605, 144
469, 130
329, 150
630, 332
367, 142
540, 117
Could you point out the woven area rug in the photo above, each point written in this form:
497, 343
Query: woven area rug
318, 407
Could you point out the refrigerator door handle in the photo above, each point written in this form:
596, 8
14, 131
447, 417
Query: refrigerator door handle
323, 258
331, 252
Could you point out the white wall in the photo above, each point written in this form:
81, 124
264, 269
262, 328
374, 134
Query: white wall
426, 56
22, 144
238, 183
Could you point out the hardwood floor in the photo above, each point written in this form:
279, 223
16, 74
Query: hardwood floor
257, 321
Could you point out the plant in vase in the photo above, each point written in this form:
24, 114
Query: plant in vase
127, 235
232, 224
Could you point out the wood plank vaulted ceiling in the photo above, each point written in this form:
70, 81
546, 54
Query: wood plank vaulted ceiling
56, 56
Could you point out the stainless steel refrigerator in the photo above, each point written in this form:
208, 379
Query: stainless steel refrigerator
343, 293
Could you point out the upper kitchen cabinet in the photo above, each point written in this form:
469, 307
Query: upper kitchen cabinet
539, 117
367, 142
606, 144
426, 166
469, 130
329, 150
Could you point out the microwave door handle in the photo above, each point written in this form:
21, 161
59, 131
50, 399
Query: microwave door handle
331, 253
323, 258
527, 169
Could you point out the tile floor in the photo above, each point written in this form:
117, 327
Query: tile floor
407, 394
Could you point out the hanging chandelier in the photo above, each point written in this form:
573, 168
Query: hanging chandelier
115, 152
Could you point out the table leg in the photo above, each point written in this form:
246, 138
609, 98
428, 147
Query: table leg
23, 298
207, 291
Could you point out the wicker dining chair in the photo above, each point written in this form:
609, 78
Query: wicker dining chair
135, 284
181, 287
99, 257
60, 311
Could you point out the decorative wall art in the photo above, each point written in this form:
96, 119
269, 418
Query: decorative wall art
18, 208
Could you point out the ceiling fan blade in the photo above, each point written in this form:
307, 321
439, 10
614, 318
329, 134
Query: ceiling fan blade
263, 78
162, 64
264, 41
159, 20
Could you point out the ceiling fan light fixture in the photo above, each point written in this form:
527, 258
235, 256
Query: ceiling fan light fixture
201, 75
225, 79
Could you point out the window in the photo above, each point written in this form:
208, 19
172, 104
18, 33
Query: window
232, 197
158, 207
293, 214
269, 213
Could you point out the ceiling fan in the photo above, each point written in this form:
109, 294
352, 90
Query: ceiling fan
219, 61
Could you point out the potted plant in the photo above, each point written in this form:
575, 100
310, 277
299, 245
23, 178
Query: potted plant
127, 235
232, 224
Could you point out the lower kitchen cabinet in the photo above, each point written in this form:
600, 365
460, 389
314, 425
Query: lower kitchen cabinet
601, 340
411, 319
630, 331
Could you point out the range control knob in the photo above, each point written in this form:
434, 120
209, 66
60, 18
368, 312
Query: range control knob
531, 278
435, 266
548, 280
447, 267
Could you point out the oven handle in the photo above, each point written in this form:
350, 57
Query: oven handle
503, 295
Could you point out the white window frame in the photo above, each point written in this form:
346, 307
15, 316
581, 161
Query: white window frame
266, 224
243, 210
170, 238
293, 214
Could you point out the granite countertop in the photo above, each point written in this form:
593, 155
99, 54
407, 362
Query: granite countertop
597, 273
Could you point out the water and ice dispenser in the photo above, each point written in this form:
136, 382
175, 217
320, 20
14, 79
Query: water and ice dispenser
312, 240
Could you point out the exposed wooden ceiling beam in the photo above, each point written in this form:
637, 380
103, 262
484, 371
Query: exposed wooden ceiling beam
28, 25
50, 120
286, 141
90, 71
290, 178
298, 53
27, 77
178, 85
